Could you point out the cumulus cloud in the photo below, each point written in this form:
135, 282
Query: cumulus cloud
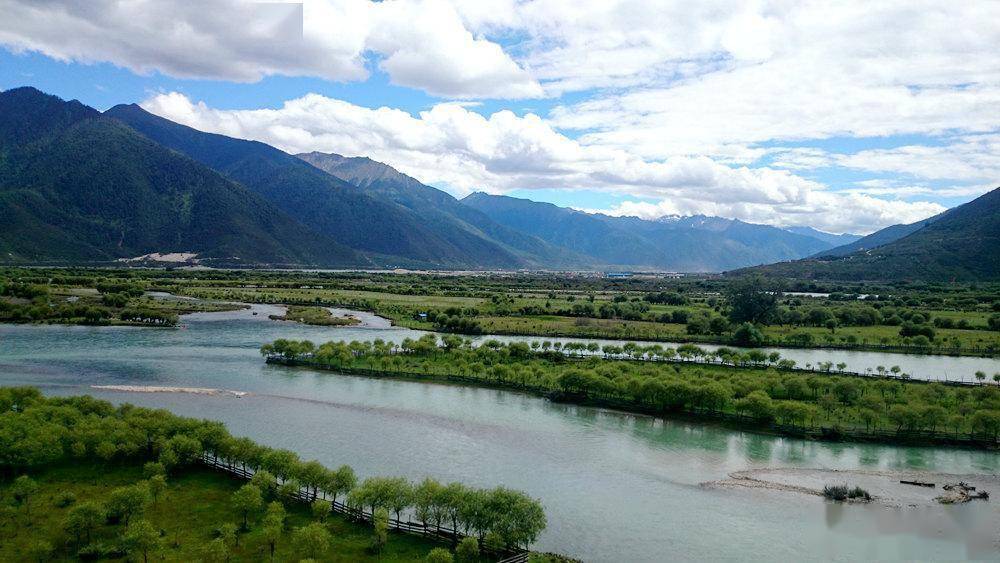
826, 211
451, 145
713, 80
419, 43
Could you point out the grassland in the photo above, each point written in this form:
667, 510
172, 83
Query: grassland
957, 318
195, 504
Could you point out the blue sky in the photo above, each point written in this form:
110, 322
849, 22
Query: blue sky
841, 120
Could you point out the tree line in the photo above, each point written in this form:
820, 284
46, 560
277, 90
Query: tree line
760, 393
37, 431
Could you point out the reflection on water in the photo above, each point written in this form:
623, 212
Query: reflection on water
616, 486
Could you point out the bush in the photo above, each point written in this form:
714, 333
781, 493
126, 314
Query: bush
65, 499
843, 492
439, 555
748, 335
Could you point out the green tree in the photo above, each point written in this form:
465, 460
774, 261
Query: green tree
274, 525
312, 540
157, 484
748, 335
247, 499
467, 550
215, 551
321, 509
83, 519
439, 555
22, 489
752, 300
143, 539
128, 502
380, 520
341, 481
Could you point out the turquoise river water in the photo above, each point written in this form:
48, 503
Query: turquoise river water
616, 487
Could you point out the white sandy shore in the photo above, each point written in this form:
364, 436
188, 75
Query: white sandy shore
154, 389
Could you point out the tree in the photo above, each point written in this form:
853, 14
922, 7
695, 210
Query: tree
274, 525
215, 551
22, 489
980, 376
321, 509
312, 540
467, 550
83, 519
265, 482
125, 503
380, 519
288, 490
157, 484
439, 555
341, 481
748, 335
229, 534
247, 499
425, 497
142, 538
752, 300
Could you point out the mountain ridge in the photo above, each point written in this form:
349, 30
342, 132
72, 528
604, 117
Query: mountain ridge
961, 244
79, 187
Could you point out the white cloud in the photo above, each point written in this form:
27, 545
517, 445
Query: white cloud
451, 145
965, 158
419, 43
826, 211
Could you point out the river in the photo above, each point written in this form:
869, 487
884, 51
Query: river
616, 487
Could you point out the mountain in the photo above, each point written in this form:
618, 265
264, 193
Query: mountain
435, 207
76, 186
829, 238
357, 218
878, 238
692, 244
962, 243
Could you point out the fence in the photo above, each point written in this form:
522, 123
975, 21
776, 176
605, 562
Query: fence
436, 533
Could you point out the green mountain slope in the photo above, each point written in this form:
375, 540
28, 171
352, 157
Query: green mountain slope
76, 186
962, 243
690, 244
881, 237
350, 215
479, 232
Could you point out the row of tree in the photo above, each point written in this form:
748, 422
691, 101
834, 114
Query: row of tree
36, 431
760, 392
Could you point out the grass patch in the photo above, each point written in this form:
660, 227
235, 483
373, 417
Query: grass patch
195, 503
320, 316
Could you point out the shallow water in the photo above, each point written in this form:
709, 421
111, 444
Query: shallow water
616, 487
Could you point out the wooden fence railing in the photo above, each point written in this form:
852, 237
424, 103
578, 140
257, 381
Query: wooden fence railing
436, 533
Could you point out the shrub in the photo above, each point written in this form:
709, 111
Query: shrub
65, 499
843, 492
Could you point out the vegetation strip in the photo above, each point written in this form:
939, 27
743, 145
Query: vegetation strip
800, 404
38, 433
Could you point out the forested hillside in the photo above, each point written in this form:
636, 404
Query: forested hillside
961, 244
77, 186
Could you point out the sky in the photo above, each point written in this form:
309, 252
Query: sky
843, 116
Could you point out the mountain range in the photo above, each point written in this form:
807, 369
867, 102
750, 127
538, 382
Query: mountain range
81, 186
961, 244
690, 244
